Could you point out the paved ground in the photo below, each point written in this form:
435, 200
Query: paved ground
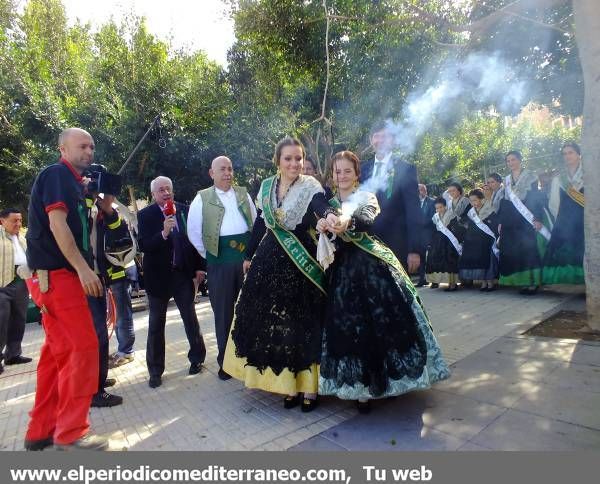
500, 380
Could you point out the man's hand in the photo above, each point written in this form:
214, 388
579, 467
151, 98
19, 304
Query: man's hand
90, 282
537, 225
414, 261
246, 266
105, 204
200, 276
168, 226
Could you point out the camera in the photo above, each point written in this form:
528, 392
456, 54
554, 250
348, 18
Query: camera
101, 181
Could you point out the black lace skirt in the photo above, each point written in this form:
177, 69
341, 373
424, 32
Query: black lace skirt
278, 314
372, 335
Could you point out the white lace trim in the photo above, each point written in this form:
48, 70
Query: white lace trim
296, 202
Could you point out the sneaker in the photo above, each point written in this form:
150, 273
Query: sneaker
120, 360
39, 444
87, 442
106, 399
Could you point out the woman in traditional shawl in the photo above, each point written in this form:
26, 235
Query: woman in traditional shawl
457, 202
563, 262
445, 249
479, 260
275, 341
521, 215
377, 340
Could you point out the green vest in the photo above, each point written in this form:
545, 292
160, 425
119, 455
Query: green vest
213, 212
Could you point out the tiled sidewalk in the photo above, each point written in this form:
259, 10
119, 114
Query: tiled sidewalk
203, 413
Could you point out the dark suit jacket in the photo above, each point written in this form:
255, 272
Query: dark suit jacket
399, 223
158, 252
427, 211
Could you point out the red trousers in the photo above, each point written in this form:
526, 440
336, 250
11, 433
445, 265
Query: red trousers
67, 374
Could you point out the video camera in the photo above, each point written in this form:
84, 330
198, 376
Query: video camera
102, 181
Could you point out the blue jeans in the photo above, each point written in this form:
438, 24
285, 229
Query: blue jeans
125, 331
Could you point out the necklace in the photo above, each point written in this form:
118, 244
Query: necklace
279, 211
280, 200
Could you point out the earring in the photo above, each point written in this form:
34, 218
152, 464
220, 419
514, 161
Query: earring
355, 184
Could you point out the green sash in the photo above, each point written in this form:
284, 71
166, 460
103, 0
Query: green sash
372, 246
289, 242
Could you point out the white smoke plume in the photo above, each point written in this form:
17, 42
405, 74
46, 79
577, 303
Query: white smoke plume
481, 80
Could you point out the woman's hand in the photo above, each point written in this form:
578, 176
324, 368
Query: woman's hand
332, 219
246, 266
341, 226
322, 225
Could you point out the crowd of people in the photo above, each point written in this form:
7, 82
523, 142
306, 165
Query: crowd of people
510, 231
309, 286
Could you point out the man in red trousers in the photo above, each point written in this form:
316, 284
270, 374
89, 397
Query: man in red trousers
59, 253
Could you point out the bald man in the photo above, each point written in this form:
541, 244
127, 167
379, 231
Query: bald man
220, 221
58, 251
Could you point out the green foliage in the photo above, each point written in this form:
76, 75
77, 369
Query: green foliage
114, 81
477, 145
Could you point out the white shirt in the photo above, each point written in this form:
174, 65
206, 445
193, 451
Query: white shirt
233, 221
381, 166
20, 258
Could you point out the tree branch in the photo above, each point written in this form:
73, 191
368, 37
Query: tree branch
479, 26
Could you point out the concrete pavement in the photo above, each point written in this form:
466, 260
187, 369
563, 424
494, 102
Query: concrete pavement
500, 380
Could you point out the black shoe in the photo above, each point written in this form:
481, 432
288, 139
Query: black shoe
110, 382
451, 289
40, 444
1, 368
309, 404
529, 291
483, 288
195, 368
363, 407
18, 360
155, 381
87, 442
491, 289
434, 285
420, 283
223, 375
106, 399
291, 402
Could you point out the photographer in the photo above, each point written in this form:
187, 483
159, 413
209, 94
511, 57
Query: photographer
112, 249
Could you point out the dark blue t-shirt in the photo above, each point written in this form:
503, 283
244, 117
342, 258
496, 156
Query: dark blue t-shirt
57, 187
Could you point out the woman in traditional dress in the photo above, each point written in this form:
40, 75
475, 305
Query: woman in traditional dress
520, 216
457, 202
445, 249
479, 259
563, 262
275, 341
377, 340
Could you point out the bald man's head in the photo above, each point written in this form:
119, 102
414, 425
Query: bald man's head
221, 171
77, 147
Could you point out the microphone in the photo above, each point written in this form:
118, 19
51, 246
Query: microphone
170, 208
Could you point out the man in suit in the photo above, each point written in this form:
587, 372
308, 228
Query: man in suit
395, 181
170, 265
427, 205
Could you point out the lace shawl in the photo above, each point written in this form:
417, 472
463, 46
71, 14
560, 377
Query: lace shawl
296, 202
523, 184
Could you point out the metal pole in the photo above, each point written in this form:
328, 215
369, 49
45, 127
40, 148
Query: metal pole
157, 119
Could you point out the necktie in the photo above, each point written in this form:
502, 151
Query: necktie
378, 169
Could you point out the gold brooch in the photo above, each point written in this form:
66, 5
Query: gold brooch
279, 214
233, 244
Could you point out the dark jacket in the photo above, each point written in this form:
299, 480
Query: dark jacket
428, 227
158, 262
399, 223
